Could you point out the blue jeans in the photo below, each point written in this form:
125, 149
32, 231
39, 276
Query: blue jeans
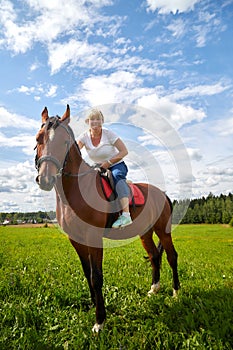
119, 172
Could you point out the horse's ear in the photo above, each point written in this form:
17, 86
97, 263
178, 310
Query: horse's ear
66, 115
44, 115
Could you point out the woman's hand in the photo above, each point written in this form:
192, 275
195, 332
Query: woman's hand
105, 165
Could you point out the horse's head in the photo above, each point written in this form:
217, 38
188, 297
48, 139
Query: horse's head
53, 143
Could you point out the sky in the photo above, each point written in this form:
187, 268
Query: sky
160, 70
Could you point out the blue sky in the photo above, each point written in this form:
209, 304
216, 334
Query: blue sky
172, 58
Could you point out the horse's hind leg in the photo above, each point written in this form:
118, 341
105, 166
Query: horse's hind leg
154, 256
166, 241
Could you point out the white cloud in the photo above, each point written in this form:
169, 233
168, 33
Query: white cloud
125, 87
24, 141
52, 91
12, 123
13, 120
218, 170
206, 23
118, 87
100, 90
177, 27
17, 38
50, 21
49, 90
214, 171
9, 206
207, 26
200, 90
177, 114
26, 90
167, 6
201, 33
194, 154
100, 57
77, 53
17, 182
224, 128
47, 20
17, 178
34, 66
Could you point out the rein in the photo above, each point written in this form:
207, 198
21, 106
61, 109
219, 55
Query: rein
93, 168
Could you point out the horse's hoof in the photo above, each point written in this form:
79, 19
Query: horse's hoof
175, 293
97, 327
154, 289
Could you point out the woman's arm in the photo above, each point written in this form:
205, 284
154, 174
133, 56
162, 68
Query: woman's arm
80, 144
119, 144
121, 147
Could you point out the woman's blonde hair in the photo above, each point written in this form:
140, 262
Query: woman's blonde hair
94, 113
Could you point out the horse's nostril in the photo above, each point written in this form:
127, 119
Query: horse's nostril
46, 183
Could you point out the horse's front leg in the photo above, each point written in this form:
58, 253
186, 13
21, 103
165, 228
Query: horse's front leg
96, 258
83, 254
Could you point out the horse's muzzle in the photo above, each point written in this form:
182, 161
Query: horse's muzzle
46, 183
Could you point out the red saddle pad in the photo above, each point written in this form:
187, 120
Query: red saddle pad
137, 196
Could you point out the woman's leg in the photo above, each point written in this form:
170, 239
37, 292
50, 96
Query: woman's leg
119, 172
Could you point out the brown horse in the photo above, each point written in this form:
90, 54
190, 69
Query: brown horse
83, 212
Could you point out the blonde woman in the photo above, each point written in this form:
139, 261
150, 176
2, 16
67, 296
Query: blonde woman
107, 149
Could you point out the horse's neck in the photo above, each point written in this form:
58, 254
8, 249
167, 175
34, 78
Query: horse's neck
74, 169
75, 163
74, 187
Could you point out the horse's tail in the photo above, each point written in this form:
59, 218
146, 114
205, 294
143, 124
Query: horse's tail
170, 203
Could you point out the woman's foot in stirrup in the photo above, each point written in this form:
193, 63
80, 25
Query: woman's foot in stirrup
122, 221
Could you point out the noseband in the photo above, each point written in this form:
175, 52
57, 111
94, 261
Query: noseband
51, 159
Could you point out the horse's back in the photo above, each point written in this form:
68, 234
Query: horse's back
151, 191
157, 204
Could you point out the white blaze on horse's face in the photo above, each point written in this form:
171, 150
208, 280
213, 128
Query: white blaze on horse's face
51, 134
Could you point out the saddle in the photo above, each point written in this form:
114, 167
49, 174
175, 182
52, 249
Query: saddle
136, 197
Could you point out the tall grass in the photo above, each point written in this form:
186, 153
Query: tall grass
45, 302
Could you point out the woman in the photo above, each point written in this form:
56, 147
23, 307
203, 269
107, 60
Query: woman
108, 150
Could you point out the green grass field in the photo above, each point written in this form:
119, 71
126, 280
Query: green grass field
45, 302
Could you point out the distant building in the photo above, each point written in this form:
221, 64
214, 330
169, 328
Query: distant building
6, 222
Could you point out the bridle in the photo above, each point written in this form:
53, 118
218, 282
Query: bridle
54, 122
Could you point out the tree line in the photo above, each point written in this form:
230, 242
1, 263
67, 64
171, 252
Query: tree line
28, 217
206, 210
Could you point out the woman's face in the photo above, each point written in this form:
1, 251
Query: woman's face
95, 122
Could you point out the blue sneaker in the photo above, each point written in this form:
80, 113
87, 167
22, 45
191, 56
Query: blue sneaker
122, 221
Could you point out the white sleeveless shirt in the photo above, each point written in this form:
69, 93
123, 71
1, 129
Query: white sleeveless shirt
104, 150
